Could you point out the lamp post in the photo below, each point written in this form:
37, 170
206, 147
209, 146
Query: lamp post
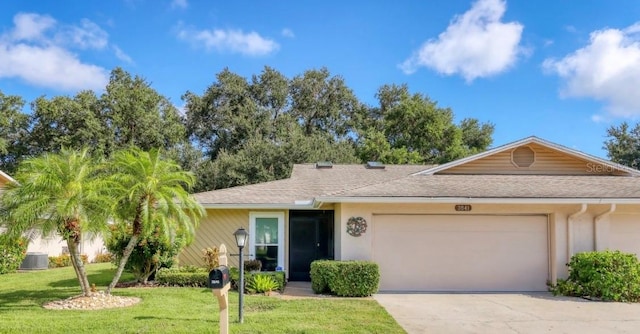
241, 238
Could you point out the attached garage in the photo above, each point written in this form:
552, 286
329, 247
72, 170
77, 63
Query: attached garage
461, 252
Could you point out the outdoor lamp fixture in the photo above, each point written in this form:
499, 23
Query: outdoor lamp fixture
241, 240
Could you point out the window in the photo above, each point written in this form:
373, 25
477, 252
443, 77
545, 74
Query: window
266, 239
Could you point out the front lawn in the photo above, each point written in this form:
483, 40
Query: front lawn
174, 310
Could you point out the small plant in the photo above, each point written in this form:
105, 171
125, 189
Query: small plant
605, 275
211, 257
278, 276
252, 265
261, 284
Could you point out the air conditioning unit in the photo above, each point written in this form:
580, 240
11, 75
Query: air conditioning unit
35, 261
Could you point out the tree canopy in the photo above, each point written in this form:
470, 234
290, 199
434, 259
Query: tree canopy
58, 193
243, 130
623, 144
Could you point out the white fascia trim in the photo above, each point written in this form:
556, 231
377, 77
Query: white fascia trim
494, 200
259, 206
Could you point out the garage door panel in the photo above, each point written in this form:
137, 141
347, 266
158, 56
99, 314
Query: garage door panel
461, 253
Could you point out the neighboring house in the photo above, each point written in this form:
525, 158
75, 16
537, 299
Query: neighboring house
54, 245
507, 219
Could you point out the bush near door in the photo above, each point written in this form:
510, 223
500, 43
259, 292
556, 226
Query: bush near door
605, 275
345, 278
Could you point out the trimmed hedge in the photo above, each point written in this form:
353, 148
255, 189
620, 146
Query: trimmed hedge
345, 278
64, 260
183, 276
278, 276
12, 253
606, 275
193, 276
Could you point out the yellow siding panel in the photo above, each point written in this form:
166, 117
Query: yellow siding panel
216, 229
547, 161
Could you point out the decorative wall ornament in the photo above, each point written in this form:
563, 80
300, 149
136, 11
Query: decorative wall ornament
356, 226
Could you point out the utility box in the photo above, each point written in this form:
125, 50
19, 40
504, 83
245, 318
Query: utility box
218, 277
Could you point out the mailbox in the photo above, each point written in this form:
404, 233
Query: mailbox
218, 277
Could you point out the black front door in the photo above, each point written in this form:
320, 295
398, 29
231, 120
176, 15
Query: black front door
310, 239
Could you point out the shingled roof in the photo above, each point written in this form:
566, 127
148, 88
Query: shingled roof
499, 186
305, 184
309, 186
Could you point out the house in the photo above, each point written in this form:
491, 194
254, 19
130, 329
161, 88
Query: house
507, 219
53, 245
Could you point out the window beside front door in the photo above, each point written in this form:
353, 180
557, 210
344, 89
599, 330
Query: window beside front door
266, 237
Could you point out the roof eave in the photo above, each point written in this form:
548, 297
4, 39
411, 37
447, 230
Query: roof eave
264, 206
479, 200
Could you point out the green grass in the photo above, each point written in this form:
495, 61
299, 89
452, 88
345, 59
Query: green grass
174, 310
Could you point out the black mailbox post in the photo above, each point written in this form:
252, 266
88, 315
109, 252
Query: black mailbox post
218, 277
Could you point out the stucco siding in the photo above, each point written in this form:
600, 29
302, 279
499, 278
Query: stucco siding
624, 233
547, 161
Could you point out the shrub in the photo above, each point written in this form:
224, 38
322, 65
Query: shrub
12, 253
103, 257
211, 257
345, 278
154, 250
607, 275
278, 276
64, 260
183, 276
320, 272
252, 265
261, 284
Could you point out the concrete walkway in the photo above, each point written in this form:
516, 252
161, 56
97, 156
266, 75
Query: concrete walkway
298, 289
508, 313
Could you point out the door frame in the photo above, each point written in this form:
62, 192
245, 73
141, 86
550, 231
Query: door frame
330, 240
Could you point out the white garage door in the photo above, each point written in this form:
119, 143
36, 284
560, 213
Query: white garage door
461, 252
624, 233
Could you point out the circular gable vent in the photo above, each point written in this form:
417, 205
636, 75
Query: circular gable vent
523, 156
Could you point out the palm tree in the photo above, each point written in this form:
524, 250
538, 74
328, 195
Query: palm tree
151, 191
59, 193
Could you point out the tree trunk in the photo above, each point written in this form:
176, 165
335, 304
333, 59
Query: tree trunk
123, 261
78, 266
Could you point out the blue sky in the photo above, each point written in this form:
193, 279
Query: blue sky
558, 69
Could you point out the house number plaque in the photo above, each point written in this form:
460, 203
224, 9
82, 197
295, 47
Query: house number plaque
463, 207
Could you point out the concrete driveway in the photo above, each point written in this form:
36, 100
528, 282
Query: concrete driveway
508, 313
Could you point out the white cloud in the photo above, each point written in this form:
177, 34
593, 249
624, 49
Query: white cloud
233, 41
286, 32
179, 4
49, 66
38, 50
122, 55
476, 44
607, 69
86, 36
29, 26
